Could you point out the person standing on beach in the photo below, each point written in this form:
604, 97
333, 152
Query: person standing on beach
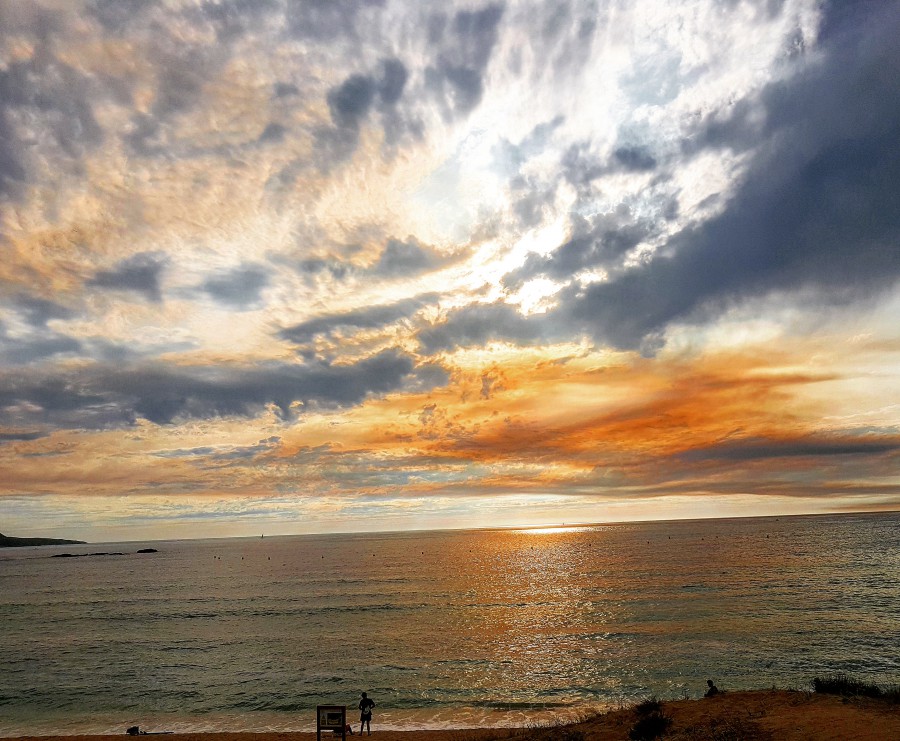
365, 713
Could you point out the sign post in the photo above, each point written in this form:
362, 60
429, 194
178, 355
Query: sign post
331, 718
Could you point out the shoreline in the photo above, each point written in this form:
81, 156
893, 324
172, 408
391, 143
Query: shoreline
791, 715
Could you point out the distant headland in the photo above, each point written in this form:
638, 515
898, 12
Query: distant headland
9, 542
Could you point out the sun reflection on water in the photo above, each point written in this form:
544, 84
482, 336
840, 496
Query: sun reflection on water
555, 529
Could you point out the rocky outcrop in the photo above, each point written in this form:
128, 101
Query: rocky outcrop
9, 542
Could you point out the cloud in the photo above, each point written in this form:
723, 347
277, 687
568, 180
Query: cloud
817, 210
762, 449
116, 17
706, 175
26, 350
634, 158
38, 311
105, 396
223, 454
406, 259
393, 81
240, 288
350, 101
137, 274
465, 50
332, 21
14, 436
45, 106
369, 317
479, 324
600, 242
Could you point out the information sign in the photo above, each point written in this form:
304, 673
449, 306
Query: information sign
331, 718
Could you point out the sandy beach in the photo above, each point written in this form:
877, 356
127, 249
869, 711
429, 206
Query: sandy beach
777, 715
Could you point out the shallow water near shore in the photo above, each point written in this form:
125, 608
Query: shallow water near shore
443, 629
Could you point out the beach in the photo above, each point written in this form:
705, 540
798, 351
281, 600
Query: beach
780, 715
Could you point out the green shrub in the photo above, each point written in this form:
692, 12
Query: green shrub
650, 705
650, 726
846, 686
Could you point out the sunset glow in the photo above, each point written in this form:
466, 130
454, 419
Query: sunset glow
282, 267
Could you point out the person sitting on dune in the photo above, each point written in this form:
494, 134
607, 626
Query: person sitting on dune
713, 690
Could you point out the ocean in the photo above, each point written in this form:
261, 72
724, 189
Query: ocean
443, 629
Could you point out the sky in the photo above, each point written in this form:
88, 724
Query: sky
290, 266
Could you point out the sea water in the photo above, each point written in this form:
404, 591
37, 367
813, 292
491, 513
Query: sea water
443, 629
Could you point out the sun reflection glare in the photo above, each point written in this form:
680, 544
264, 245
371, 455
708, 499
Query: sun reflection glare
555, 529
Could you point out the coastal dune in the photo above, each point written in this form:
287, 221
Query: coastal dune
766, 715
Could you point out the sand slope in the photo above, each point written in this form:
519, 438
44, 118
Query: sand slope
763, 715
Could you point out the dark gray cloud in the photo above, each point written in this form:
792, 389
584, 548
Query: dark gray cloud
103, 396
32, 399
313, 266
580, 167
26, 350
466, 44
397, 259
223, 455
38, 311
370, 317
818, 209
285, 89
40, 343
45, 106
406, 259
478, 324
12, 170
21, 436
762, 449
351, 100
179, 81
240, 288
233, 18
162, 396
393, 80
327, 20
636, 158
138, 274
273, 133
116, 16
600, 242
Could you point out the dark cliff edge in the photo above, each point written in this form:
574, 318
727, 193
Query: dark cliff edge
8, 542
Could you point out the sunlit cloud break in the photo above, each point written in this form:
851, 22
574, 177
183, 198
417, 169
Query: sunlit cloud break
288, 266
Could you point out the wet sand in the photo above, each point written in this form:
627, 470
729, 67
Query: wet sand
765, 715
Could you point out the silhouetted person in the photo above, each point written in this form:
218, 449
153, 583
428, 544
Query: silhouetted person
365, 713
713, 690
